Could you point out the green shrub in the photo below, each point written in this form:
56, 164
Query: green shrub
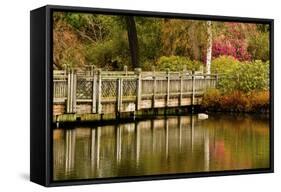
242, 76
252, 76
177, 63
223, 64
258, 46
110, 55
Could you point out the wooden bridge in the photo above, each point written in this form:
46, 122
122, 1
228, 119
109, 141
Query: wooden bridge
96, 94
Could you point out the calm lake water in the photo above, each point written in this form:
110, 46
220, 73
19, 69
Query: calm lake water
180, 144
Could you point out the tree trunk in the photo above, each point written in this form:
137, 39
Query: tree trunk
133, 40
209, 47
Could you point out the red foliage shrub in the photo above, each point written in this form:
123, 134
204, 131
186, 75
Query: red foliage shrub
232, 42
232, 47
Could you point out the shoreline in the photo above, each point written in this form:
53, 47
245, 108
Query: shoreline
79, 120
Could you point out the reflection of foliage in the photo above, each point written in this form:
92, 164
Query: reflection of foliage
241, 136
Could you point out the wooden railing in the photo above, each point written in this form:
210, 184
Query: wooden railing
97, 91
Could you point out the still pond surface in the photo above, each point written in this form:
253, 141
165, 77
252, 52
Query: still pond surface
179, 144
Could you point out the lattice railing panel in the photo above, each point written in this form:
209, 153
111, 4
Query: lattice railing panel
109, 88
129, 87
84, 88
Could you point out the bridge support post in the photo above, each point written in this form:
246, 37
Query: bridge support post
99, 109
119, 95
68, 101
71, 92
168, 87
154, 90
138, 96
74, 92
193, 92
94, 90
181, 87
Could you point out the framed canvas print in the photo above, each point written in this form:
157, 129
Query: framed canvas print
123, 95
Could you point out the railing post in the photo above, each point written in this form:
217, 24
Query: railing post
99, 106
92, 70
181, 88
71, 92
126, 70
68, 101
139, 81
74, 85
154, 90
94, 92
119, 95
168, 87
193, 88
205, 82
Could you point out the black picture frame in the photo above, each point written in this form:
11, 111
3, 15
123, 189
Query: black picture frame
41, 94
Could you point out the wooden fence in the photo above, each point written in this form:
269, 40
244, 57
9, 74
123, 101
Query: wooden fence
102, 92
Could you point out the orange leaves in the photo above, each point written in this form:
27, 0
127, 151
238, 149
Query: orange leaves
67, 48
236, 101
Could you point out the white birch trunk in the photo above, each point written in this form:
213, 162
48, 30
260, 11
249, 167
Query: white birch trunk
209, 47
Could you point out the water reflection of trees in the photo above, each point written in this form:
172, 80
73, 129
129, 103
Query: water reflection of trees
171, 145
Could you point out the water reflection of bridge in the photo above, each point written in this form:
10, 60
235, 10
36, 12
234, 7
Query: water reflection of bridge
109, 94
106, 149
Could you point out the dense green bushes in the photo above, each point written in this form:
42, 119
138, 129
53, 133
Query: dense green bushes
177, 63
242, 86
242, 76
258, 45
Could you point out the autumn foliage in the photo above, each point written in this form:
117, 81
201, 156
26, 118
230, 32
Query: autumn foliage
240, 52
233, 42
236, 101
